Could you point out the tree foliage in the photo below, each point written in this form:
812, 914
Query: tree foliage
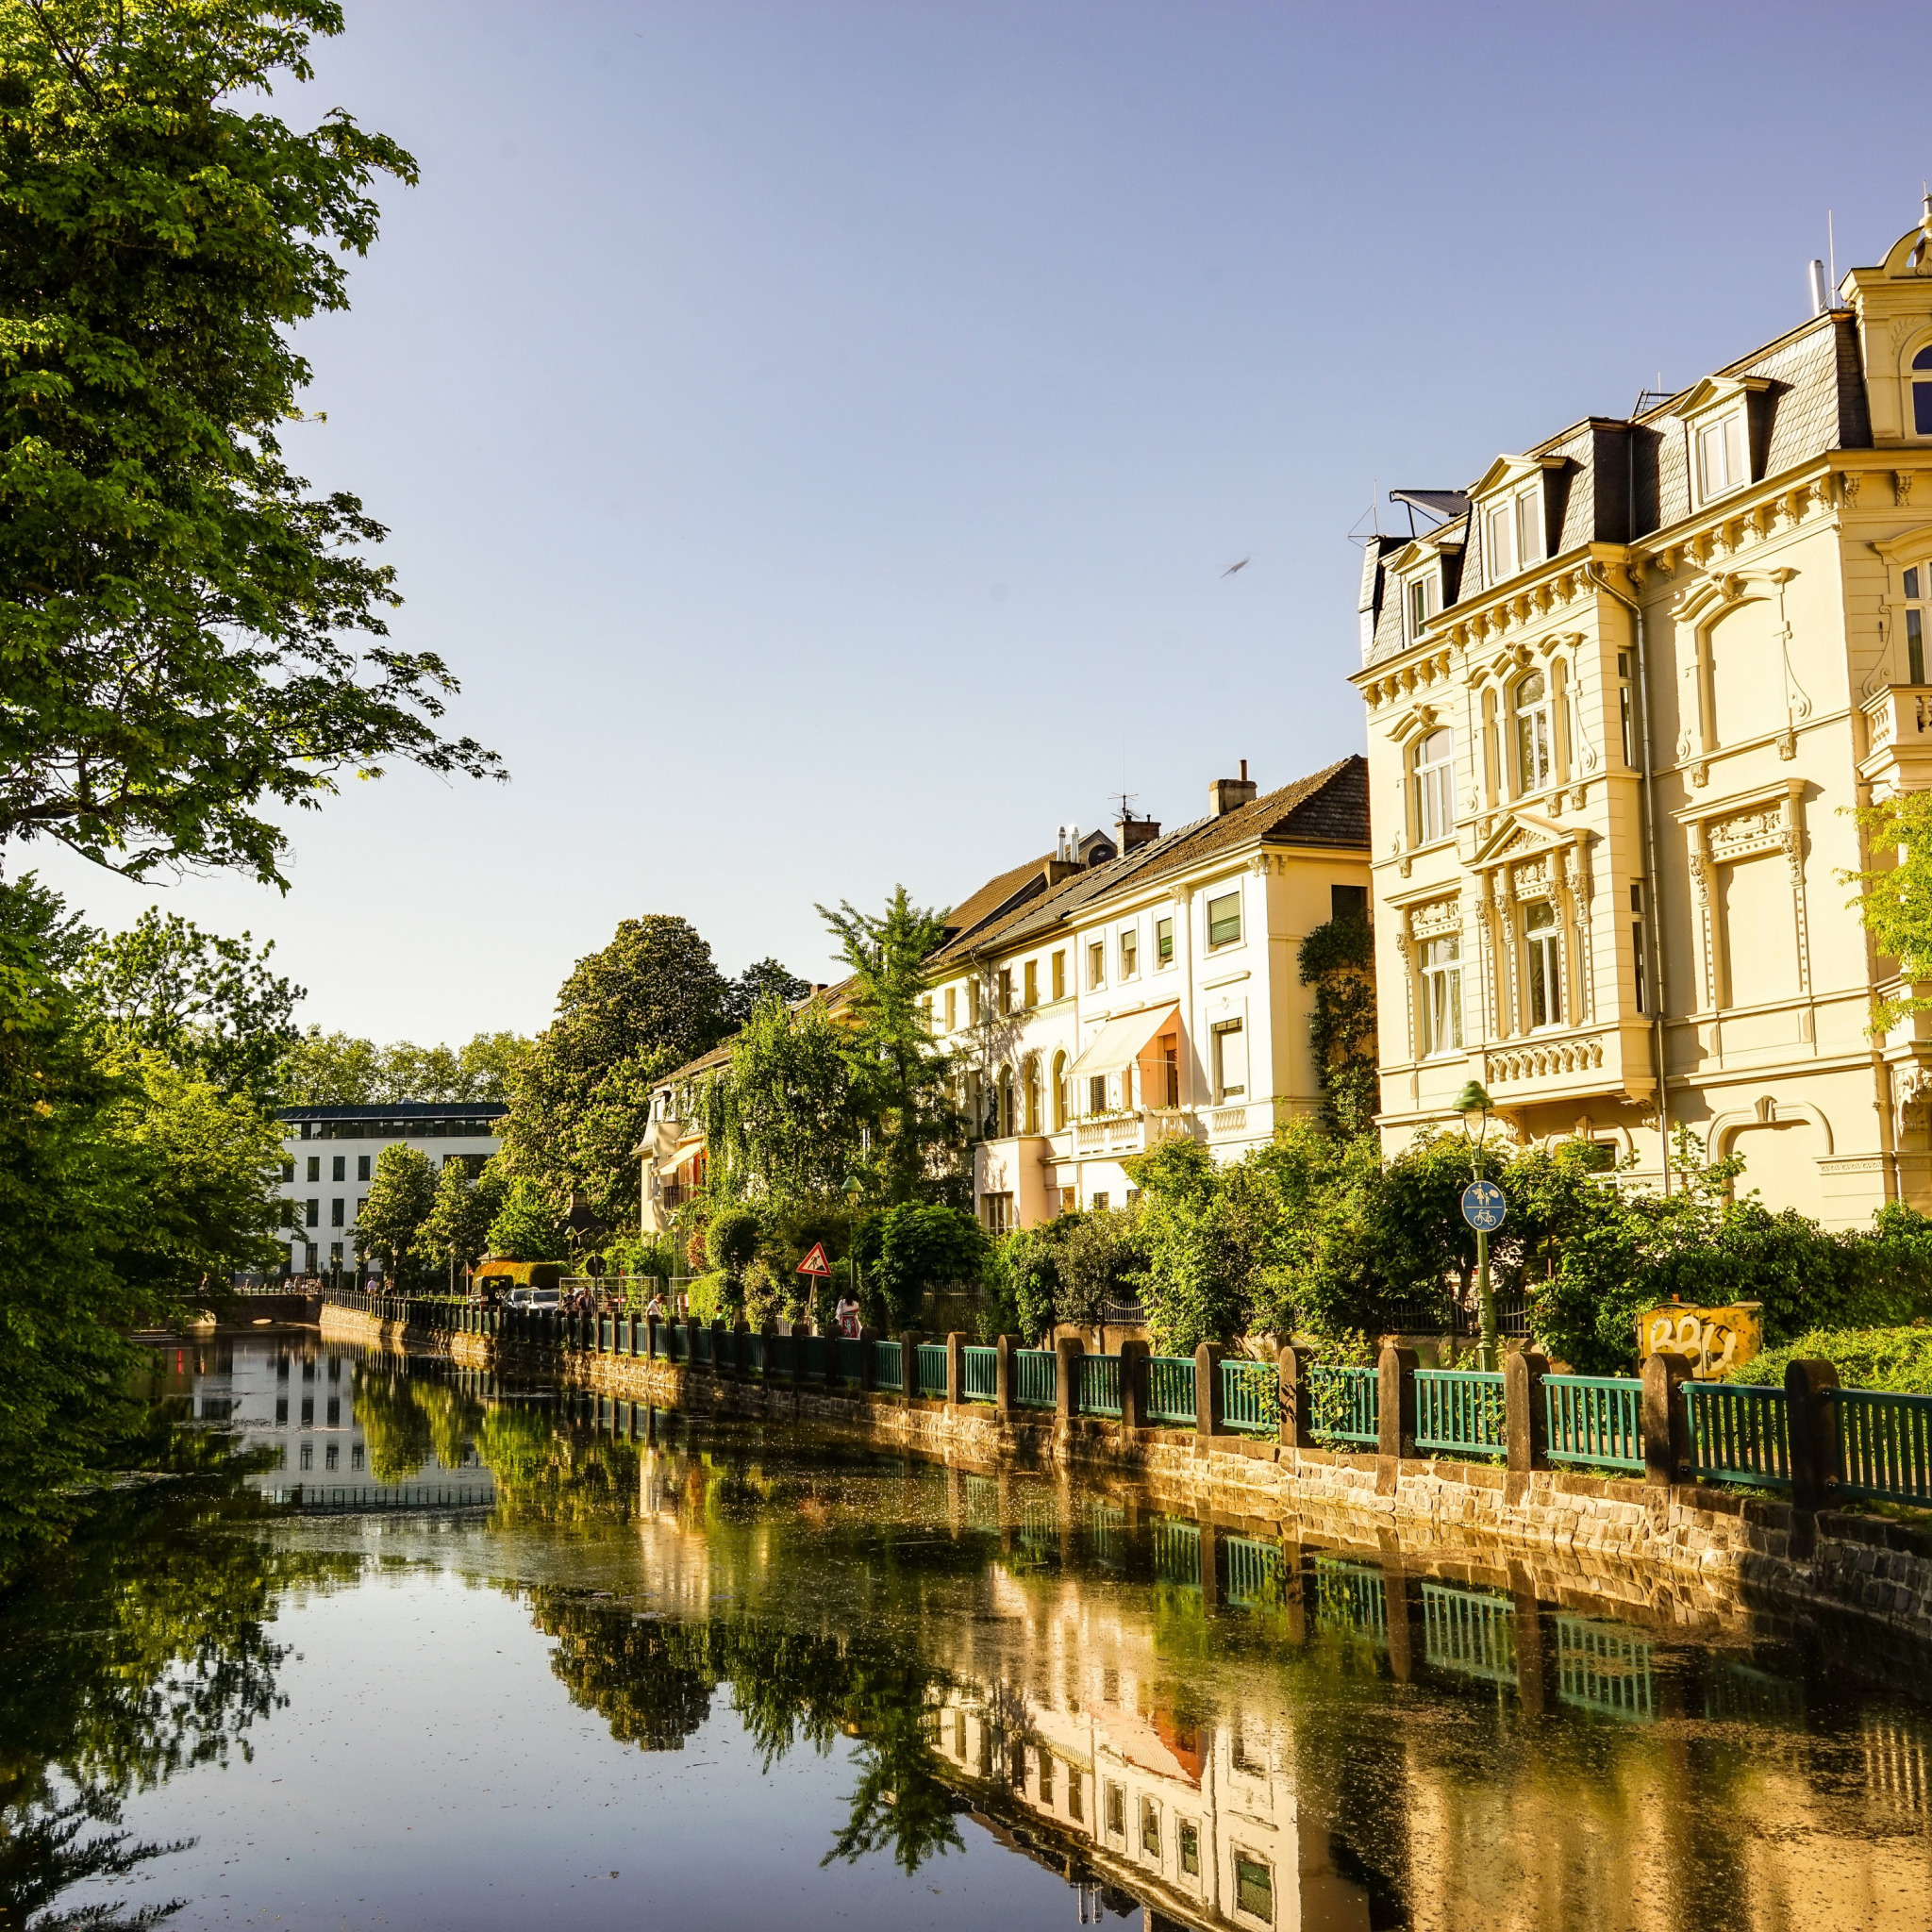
763, 979
778, 1116
1895, 898
628, 1015
919, 1247
901, 1081
526, 1227
1338, 959
174, 597
402, 1192
455, 1234
337, 1070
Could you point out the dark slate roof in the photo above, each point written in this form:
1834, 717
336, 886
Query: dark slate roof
1618, 480
1328, 808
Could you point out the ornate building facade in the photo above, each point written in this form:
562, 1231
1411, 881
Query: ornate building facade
1622, 696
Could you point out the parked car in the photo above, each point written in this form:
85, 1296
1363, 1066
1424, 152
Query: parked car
533, 1298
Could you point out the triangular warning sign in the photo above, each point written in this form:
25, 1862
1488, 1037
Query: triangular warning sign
815, 1262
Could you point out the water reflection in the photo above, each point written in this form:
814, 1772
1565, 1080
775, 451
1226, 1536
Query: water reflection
1210, 1722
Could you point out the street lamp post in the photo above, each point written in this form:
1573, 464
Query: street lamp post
1473, 1106
852, 1190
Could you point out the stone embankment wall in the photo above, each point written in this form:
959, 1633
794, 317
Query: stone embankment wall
1690, 1554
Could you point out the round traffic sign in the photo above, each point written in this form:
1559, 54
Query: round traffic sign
1483, 1205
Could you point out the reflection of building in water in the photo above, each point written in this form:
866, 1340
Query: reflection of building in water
297, 1400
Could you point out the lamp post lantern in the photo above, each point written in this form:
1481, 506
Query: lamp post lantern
1483, 1207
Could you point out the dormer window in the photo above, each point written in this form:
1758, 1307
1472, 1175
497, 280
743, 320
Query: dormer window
1515, 532
1723, 463
1425, 600
1922, 392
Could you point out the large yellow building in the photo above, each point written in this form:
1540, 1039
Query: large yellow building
1622, 699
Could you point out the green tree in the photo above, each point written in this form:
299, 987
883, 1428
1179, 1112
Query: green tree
777, 1116
455, 1233
526, 1227
921, 1247
761, 980
173, 597
627, 1016
1338, 959
401, 1191
207, 1003
1895, 898
339, 1070
901, 1081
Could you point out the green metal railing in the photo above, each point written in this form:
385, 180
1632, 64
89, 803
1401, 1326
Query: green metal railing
702, 1348
932, 1370
1178, 1552
1594, 1418
779, 1357
851, 1361
1250, 1398
1740, 1433
1461, 1411
1350, 1600
1100, 1385
1254, 1571
1171, 1390
979, 1370
1884, 1445
753, 1351
1605, 1668
889, 1367
1036, 1377
1470, 1632
1346, 1405
812, 1352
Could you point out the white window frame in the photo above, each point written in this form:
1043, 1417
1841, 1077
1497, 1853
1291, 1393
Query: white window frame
1207, 906
1441, 1006
1422, 601
1542, 966
1433, 782
1128, 940
1533, 728
1507, 521
1222, 1031
1726, 434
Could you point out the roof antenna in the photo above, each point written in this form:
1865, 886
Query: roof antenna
1831, 251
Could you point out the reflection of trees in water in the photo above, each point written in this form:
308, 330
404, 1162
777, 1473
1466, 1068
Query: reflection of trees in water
135, 1651
392, 1421
651, 1680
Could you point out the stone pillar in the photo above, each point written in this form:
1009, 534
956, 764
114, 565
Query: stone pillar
1211, 1564
1002, 1370
653, 1327
908, 1366
868, 1360
1294, 1597
1813, 1420
1208, 1389
799, 1331
1402, 1602
1524, 1422
1296, 1417
1395, 1401
1666, 1427
1535, 1655
1133, 1386
956, 1369
1068, 1351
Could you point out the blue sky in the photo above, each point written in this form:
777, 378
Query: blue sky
816, 433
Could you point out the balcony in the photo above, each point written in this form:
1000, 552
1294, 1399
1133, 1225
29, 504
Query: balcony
1899, 724
1115, 1135
1573, 1063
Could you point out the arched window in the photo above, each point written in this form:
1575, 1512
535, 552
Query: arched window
1006, 1105
1534, 742
1032, 1095
1543, 964
1435, 787
1922, 392
1059, 1092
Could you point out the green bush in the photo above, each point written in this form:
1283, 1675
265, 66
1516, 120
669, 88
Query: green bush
921, 1249
710, 1297
731, 1238
1899, 1359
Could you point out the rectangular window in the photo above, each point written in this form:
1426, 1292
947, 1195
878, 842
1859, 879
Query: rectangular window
1350, 903
281, 1411
1116, 1812
1163, 942
1915, 647
1191, 1849
1441, 1000
973, 1002
312, 1214
288, 1169
362, 1167
307, 1456
1720, 463
1529, 528
926, 1016
356, 1456
1045, 1780
332, 1456
1545, 964
951, 1008
1074, 1784
1230, 1060
1060, 976
1130, 951
1005, 988
998, 1215
1096, 964
308, 1412
315, 1167
959, 1736
339, 1168
1099, 1202
1150, 1827
335, 1211
1224, 920
1031, 981
1097, 1093
1421, 603
361, 1202
1253, 1887
1435, 787
1501, 529
333, 1413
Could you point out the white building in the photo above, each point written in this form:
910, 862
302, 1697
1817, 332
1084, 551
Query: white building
329, 1153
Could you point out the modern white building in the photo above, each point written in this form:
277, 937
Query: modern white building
329, 1153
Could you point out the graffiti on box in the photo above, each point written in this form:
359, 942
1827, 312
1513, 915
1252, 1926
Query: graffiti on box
1710, 1341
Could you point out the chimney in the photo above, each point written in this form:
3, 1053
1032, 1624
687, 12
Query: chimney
1229, 794
1131, 831
1821, 299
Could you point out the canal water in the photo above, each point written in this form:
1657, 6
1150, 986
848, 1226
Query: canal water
504, 1660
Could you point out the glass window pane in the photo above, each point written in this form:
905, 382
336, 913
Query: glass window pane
1922, 408
1915, 647
1530, 532
1912, 583
1502, 563
1224, 920
1736, 469
1924, 358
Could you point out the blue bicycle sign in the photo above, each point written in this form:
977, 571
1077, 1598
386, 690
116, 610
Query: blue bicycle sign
1483, 1205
